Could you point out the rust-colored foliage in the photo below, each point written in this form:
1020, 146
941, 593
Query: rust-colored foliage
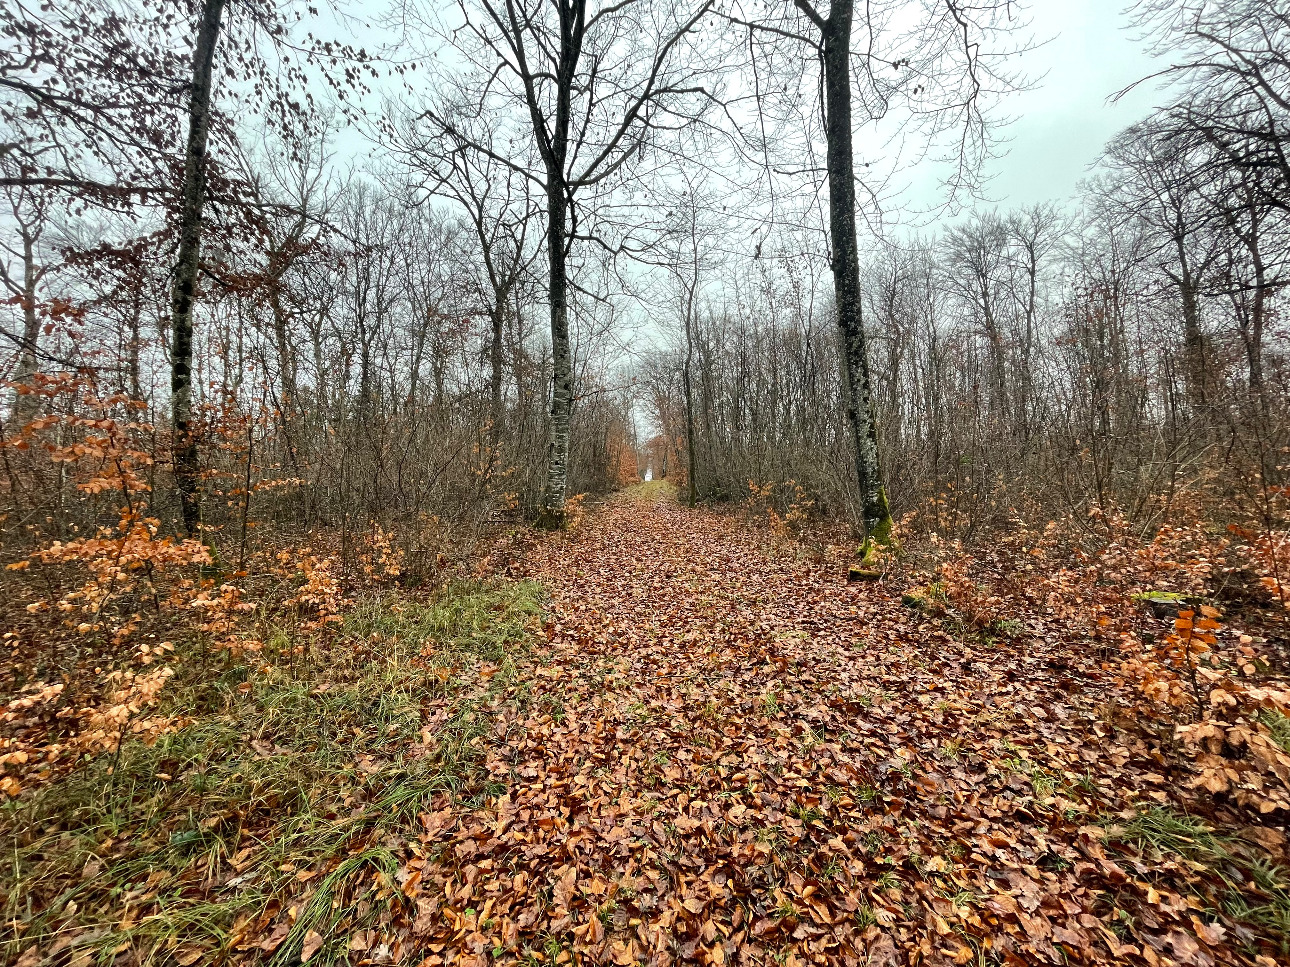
719, 751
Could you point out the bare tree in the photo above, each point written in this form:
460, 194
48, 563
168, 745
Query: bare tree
688, 258
935, 68
498, 204
1161, 169
597, 85
976, 258
29, 209
1233, 59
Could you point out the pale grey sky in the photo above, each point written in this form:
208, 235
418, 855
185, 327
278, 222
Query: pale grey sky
1062, 123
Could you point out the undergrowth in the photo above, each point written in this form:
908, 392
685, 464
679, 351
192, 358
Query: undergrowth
287, 789
1255, 892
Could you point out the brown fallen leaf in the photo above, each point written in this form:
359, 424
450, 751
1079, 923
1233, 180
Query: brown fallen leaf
313, 941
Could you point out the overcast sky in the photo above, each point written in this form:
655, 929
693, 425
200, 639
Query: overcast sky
1085, 51
1063, 122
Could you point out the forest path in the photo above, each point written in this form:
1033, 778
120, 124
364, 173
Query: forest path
727, 753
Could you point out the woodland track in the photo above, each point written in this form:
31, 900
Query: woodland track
731, 754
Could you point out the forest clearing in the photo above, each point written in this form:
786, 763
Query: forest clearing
674, 735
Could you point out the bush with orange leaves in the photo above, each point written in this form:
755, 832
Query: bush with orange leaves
788, 507
319, 599
380, 559
123, 563
92, 606
1234, 751
1206, 682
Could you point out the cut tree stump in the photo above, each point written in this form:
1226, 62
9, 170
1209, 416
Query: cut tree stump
861, 574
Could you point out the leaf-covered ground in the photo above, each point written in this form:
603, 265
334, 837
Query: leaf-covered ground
709, 748
749, 759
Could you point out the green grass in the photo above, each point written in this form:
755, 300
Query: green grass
280, 776
1253, 890
481, 619
1278, 723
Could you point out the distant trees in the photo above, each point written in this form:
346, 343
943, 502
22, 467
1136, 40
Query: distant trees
381, 343
496, 199
1025, 359
1210, 174
688, 261
1160, 172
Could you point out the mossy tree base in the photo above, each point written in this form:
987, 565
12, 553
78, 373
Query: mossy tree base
878, 528
551, 519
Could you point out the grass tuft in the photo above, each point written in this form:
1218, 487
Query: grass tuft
1255, 891
292, 783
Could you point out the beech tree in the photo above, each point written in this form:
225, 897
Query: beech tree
935, 68
192, 204
591, 88
86, 97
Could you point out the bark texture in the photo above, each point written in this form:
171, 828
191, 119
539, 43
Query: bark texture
557, 477
192, 201
554, 153
836, 36
25, 404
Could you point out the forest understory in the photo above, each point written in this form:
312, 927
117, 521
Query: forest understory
673, 735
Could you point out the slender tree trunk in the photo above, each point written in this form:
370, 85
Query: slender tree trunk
25, 404
495, 372
1027, 400
846, 269
187, 264
136, 343
561, 364
1194, 349
998, 361
1258, 305
282, 343
1254, 351
692, 483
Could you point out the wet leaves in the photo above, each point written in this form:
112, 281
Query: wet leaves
715, 752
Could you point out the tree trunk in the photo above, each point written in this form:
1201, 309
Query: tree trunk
692, 484
1194, 349
187, 264
846, 270
495, 372
555, 153
282, 344
136, 342
561, 366
26, 404
1254, 346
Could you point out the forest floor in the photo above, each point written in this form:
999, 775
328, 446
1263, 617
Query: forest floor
659, 738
